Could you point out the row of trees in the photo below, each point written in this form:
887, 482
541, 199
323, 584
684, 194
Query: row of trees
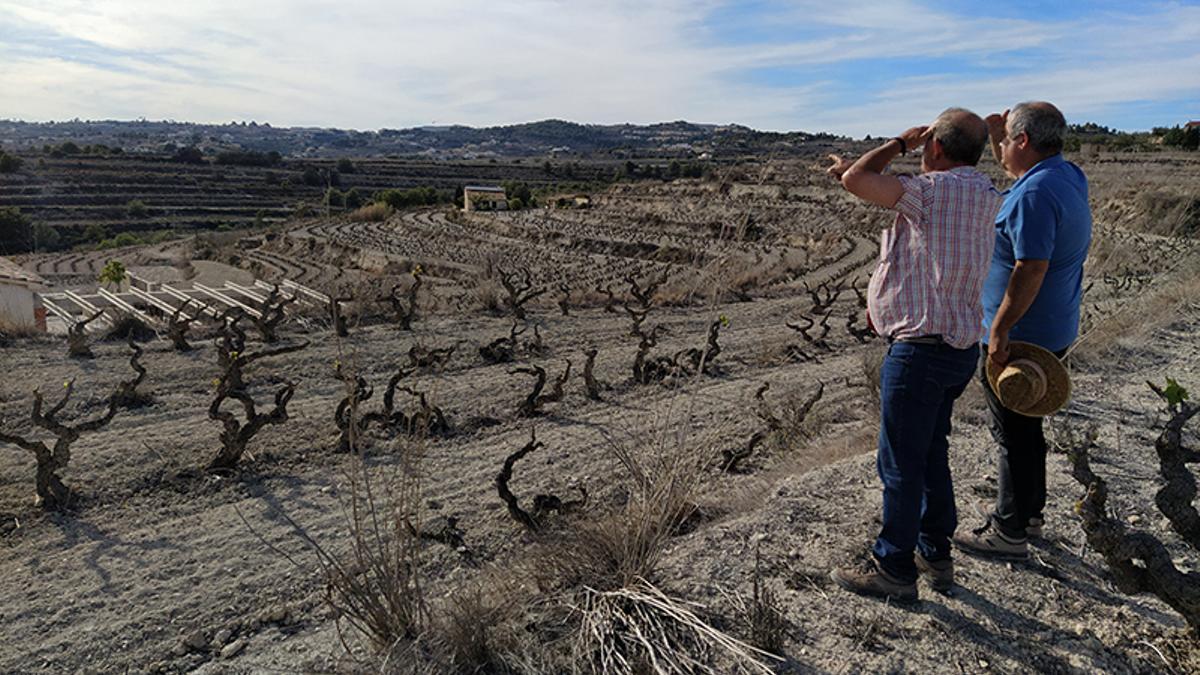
70, 149
1178, 137
18, 234
1156, 139
630, 170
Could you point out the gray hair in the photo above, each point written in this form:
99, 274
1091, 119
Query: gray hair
1042, 123
962, 133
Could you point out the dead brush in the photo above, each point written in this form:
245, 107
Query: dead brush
373, 583
371, 213
477, 630
602, 570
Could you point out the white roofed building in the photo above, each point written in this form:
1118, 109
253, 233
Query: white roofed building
21, 305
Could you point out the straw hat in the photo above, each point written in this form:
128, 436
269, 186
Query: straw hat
1033, 383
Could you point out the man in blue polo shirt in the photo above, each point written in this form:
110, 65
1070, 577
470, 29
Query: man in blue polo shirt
1032, 294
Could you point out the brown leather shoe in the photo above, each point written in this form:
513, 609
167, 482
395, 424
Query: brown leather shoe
940, 573
869, 579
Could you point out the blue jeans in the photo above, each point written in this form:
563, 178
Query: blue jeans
918, 386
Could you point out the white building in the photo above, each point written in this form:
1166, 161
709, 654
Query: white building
20, 304
484, 198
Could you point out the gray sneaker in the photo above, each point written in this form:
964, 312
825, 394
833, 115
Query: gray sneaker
985, 508
869, 579
940, 573
1034, 529
988, 542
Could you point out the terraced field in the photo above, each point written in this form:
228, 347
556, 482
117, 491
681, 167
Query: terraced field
165, 567
73, 192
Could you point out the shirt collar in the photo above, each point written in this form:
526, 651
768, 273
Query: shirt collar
1044, 165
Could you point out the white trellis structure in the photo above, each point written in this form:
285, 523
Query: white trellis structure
153, 303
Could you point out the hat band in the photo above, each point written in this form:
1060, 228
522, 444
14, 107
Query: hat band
1039, 381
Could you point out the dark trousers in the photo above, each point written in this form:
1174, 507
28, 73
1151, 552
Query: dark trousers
918, 386
1021, 462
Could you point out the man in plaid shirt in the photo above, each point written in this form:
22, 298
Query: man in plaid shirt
924, 297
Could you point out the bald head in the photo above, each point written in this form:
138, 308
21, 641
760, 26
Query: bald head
962, 134
1042, 123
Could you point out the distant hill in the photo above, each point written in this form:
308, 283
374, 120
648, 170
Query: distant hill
558, 137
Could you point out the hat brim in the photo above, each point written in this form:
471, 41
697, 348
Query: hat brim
1058, 380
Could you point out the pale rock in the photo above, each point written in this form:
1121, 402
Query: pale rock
233, 648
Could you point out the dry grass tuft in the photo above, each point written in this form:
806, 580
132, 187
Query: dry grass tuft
372, 213
375, 585
603, 571
473, 631
762, 615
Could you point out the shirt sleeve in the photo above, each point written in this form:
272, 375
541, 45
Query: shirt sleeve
1032, 225
917, 193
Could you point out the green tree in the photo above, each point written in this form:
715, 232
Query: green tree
353, 198
95, 233
674, 169
518, 190
113, 274
334, 197
1191, 139
345, 165
46, 238
136, 208
312, 177
188, 155
9, 163
16, 232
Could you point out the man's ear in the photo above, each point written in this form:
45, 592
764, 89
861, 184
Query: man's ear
935, 148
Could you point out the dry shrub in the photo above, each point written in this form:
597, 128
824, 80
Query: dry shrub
616, 549
1134, 321
375, 585
682, 288
761, 616
603, 571
479, 631
488, 294
376, 212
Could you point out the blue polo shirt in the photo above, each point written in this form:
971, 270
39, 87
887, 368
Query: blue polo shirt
1045, 216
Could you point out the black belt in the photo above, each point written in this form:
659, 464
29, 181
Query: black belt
920, 340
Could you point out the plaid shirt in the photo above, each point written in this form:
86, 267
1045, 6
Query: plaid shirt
934, 259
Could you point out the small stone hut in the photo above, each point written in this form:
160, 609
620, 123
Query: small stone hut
484, 198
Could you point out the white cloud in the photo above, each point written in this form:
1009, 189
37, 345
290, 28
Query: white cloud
371, 64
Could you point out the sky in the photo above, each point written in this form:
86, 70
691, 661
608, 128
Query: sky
844, 66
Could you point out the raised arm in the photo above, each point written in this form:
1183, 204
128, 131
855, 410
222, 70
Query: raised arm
997, 131
864, 178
